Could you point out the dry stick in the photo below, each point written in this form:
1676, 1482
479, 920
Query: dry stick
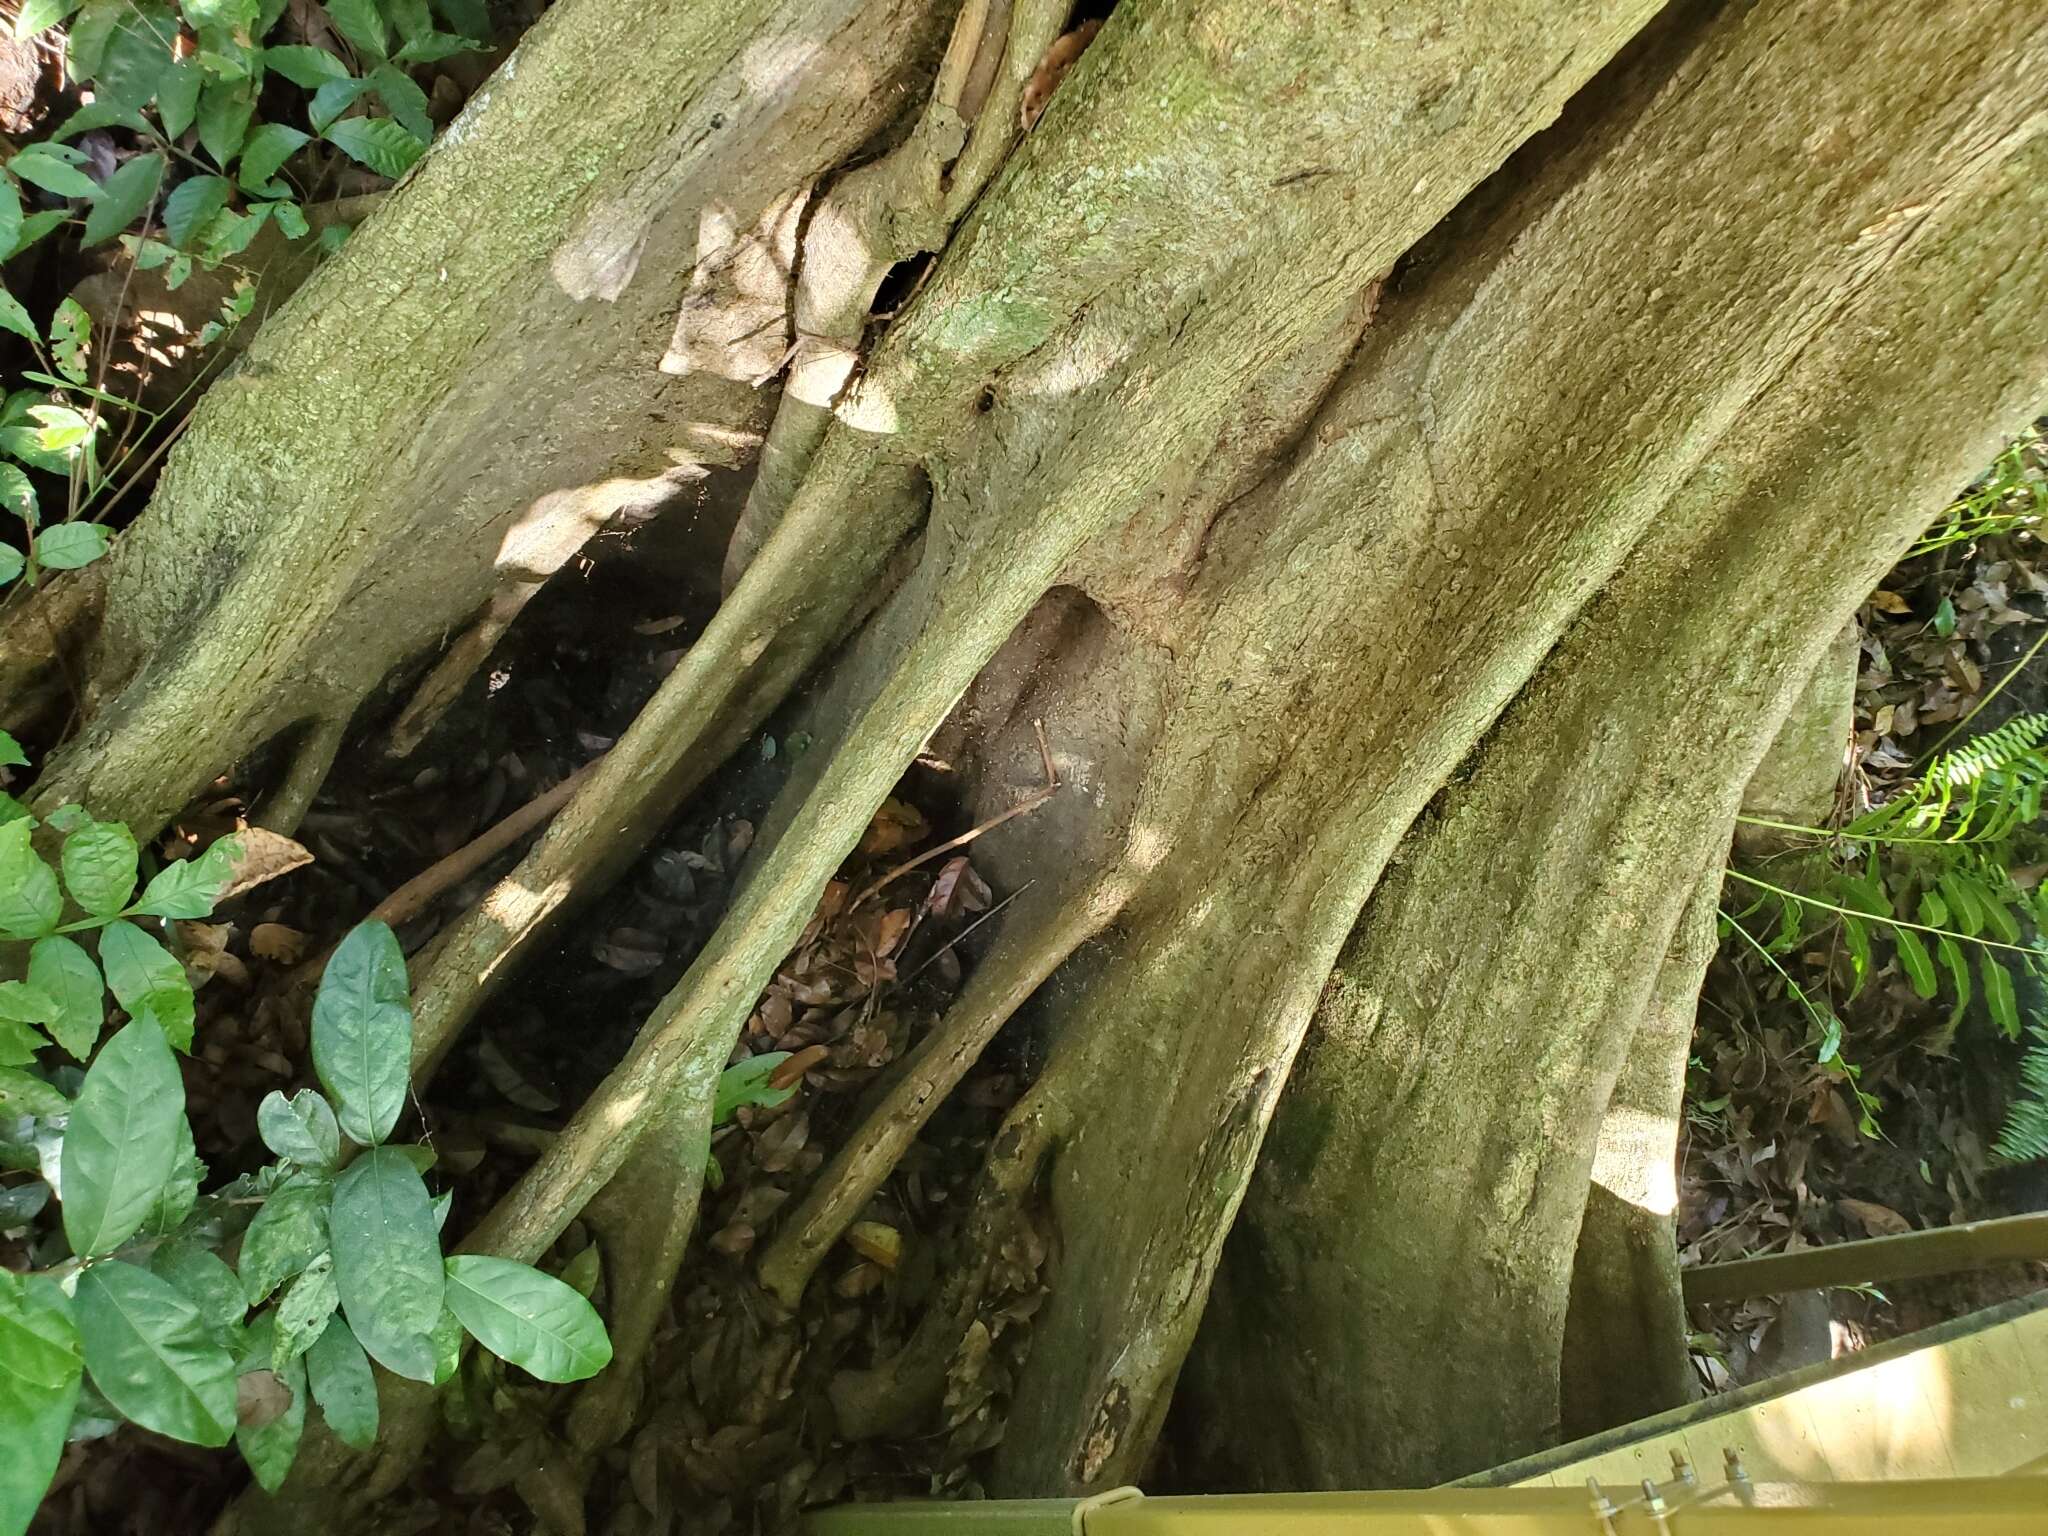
1002, 983
1030, 803
1874, 1261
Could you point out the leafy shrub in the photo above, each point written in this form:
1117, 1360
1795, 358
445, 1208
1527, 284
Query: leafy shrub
210, 1317
1928, 878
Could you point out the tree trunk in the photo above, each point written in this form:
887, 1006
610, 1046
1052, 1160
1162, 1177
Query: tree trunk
1401, 1275
1339, 503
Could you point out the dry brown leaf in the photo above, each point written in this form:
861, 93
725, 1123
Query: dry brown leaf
1877, 1220
895, 826
274, 941
1052, 69
260, 1397
792, 1071
265, 856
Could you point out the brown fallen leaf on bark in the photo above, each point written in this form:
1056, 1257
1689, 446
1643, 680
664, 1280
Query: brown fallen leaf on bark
265, 856
1045, 79
1877, 1220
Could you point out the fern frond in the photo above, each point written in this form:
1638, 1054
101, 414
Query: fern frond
2024, 1136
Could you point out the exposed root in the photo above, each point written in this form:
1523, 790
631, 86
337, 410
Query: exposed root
894, 1396
901, 206
1020, 962
312, 760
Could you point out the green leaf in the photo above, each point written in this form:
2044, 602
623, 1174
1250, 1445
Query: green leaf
360, 22
332, 99
219, 22
70, 332
11, 754
408, 103
137, 53
225, 107
12, 564
99, 863
334, 237
582, 1272
339, 1374
38, 16
10, 214
1916, 962
376, 142
190, 887
34, 227
303, 1310
434, 47
18, 1044
143, 975
22, 1094
412, 18
122, 1139
149, 1353
290, 1231
172, 1010
24, 1003
70, 545
124, 199
101, 114
527, 1317
472, 18
387, 1260
300, 1129
269, 146
18, 495
16, 319
177, 97
203, 1279
270, 1447
30, 903
192, 206
362, 1032
291, 222
1998, 994
307, 67
41, 166
174, 1202
61, 968
41, 1363
746, 1083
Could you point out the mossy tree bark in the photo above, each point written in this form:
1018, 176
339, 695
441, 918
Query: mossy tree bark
1408, 559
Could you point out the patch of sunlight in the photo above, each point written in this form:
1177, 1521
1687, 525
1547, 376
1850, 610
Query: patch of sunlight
561, 522
1633, 1161
1146, 846
772, 64
514, 907
870, 408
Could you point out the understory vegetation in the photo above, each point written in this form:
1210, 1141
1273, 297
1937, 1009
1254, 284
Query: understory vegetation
991, 749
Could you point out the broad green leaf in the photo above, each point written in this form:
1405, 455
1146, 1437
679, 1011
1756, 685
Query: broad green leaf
101, 114
30, 903
332, 99
304, 66
1998, 994
70, 333
12, 564
41, 166
192, 206
61, 968
124, 199
1962, 904
376, 142
338, 1372
174, 1202
472, 18
746, 1083
361, 23
23, 1002
334, 237
16, 319
146, 979
527, 1317
18, 1043
17, 495
288, 1233
412, 18
218, 21
177, 97
40, 15
303, 1310
291, 222
300, 1128
583, 1271
68, 546
387, 1260
362, 1032
23, 1094
225, 107
34, 227
446, 1342
59, 427
434, 47
190, 887
11, 754
205, 1280
10, 214
137, 53
41, 1363
99, 864
149, 1352
1916, 962
22, 1203
408, 103
269, 146
270, 1447
122, 1139
12, 809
